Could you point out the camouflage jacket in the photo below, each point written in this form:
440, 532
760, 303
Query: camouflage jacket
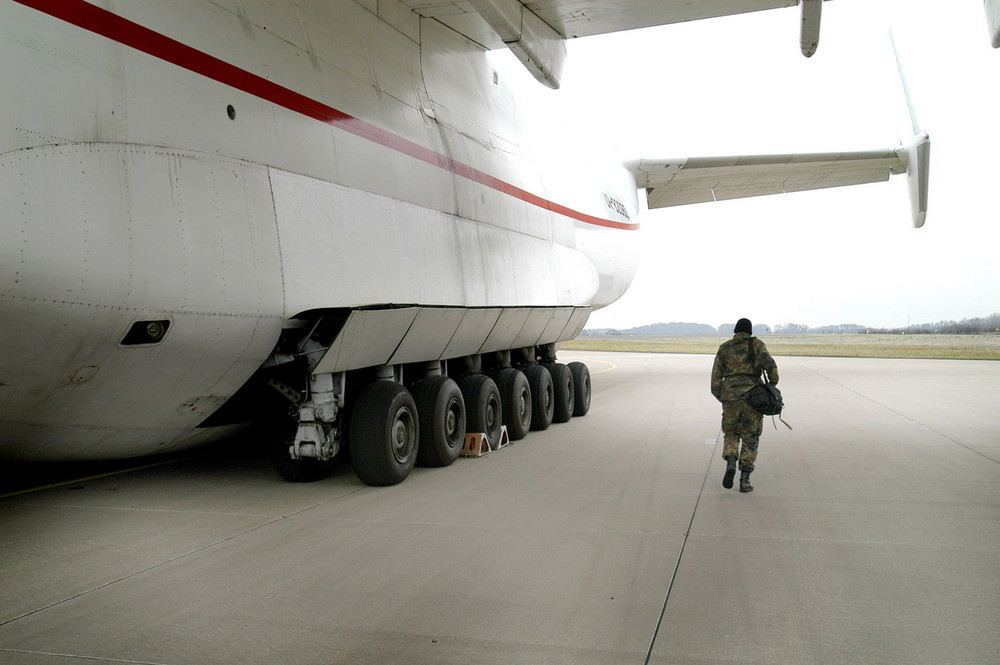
732, 374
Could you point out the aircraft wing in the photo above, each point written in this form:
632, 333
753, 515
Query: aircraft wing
535, 30
583, 18
704, 179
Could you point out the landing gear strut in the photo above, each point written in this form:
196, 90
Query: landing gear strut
281, 439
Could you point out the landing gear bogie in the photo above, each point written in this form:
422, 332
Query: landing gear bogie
384, 420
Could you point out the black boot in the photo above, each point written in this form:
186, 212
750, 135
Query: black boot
745, 485
727, 480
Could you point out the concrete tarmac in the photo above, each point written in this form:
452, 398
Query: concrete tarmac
873, 536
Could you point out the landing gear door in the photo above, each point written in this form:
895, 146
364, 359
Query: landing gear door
368, 338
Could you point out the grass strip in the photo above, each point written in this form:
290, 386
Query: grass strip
943, 347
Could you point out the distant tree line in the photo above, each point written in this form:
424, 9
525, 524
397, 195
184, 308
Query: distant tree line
675, 329
976, 326
979, 325
800, 329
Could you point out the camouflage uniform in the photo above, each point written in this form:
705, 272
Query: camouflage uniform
732, 379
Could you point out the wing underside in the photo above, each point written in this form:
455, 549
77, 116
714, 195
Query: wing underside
536, 30
704, 179
583, 18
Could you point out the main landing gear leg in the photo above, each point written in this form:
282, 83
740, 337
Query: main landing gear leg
304, 448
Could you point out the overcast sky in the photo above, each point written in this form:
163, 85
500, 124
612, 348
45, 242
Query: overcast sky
738, 85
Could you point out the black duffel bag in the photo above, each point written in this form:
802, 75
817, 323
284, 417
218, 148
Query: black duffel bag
765, 398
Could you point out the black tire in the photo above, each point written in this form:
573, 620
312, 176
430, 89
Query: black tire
385, 434
515, 397
581, 380
441, 410
280, 437
542, 396
482, 407
563, 392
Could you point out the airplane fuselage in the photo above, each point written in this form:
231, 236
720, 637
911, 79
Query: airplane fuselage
179, 184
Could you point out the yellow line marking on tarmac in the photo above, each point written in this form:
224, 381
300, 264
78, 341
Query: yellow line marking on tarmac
606, 369
598, 360
98, 476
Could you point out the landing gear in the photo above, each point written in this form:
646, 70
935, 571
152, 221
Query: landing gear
441, 410
384, 434
563, 393
482, 404
281, 438
391, 417
515, 396
581, 383
542, 396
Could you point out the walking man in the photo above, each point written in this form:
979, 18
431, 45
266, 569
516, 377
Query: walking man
737, 369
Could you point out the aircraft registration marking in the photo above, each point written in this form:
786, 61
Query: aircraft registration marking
108, 24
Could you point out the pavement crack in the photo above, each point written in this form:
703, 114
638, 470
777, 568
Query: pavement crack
680, 555
903, 415
72, 656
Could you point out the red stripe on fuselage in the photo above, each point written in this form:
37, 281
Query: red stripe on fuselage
123, 31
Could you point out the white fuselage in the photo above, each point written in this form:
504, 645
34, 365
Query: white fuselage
226, 171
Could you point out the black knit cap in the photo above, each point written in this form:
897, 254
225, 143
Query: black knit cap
744, 325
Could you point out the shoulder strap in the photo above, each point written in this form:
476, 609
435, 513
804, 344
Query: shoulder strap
753, 362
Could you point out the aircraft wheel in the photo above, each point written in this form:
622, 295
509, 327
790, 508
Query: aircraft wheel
542, 396
280, 439
563, 392
581, 378
441, 410
515, 398
482, 406
384, 434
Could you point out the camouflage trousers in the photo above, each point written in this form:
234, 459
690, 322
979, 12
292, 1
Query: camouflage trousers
741, 421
